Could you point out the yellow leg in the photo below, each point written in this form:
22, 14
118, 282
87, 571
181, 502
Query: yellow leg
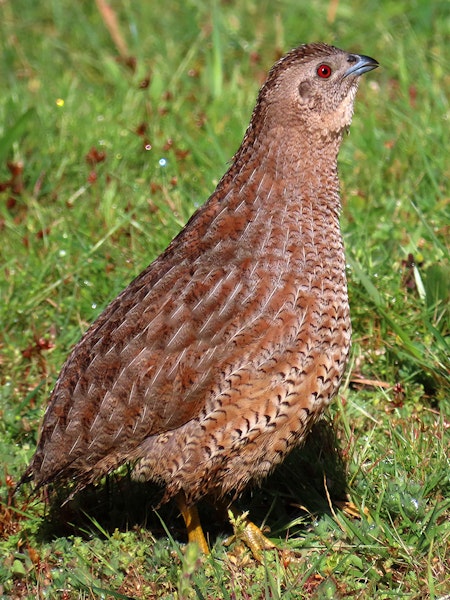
193, 525
249, 533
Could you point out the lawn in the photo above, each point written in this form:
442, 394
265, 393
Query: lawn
109, 140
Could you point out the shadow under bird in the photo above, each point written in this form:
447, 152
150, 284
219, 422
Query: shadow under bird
218, 358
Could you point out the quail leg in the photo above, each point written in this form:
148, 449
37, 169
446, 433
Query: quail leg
247, 532
193, 525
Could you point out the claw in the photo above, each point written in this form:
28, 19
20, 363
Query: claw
247, 532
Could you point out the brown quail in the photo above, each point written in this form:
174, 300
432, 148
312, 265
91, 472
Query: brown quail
218, 358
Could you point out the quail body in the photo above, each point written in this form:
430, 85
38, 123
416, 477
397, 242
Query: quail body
219, 357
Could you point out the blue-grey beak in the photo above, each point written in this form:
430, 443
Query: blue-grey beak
360, 64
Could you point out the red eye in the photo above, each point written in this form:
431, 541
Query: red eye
324, 71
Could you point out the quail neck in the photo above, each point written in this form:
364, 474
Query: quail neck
294, 136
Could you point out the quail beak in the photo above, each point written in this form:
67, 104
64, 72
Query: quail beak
361, 64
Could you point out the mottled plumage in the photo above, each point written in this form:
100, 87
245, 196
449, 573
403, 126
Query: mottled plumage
217, 359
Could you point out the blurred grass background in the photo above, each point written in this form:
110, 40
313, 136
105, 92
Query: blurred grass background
105, 151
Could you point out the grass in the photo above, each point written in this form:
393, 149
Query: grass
86, 202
